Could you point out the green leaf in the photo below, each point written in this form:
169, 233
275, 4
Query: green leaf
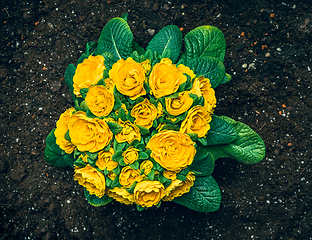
84, 92
185, 171
131, 188
101, 82
205, 41
170, 127
89, 114
81, 58
117, 156
67, 137
117, 170
143, 130
91, 155
193, 136
108, 62
69, 158
96, 201
162, 178
181, 59
149, 55
181, 177
221, 132
143, 156
202, 141
108, 181
116, 182
140, 146
80, 163
204, 196
135, 56
226, 78
125, 16
204, 166
84, 106
209, 67
168, 38
117, 103
151, 175
136, 47
248, 148
166, 54
53, 154
91, 47
114, 127
118, 146
116, 38
122, 114
140, 208
68, 77
135, 165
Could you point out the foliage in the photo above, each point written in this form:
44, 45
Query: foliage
143, 128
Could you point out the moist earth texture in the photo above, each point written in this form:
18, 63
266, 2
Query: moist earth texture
269, 55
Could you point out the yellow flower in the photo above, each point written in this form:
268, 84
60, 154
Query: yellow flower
170, 175
160, 110
160, 126
120, 194
84, 157
109, 84
128, 133
61, 129
128, 176
148, 193
196, 121
130, 155
165, 78
129, 77
91, 179
89, 72
89, 134
105, 160
202, 87
124, 107
179, 105
109, 120
187, 70
111, 175
144, 113
146, 65
177, 187
173, 150
210, 99
100, 101
147, 165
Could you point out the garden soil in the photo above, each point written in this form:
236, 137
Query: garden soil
269, 52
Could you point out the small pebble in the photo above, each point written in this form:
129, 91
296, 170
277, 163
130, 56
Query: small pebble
151, 31
267, 54
252, 65
50, 25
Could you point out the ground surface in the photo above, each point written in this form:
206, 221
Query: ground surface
269, 56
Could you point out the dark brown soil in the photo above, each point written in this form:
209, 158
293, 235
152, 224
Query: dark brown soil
272, 94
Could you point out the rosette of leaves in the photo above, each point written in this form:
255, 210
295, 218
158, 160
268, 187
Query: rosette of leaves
204, 55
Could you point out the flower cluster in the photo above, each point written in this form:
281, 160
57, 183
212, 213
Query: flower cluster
134, 132
143, 128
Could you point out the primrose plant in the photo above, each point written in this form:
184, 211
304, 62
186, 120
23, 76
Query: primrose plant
142, 129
